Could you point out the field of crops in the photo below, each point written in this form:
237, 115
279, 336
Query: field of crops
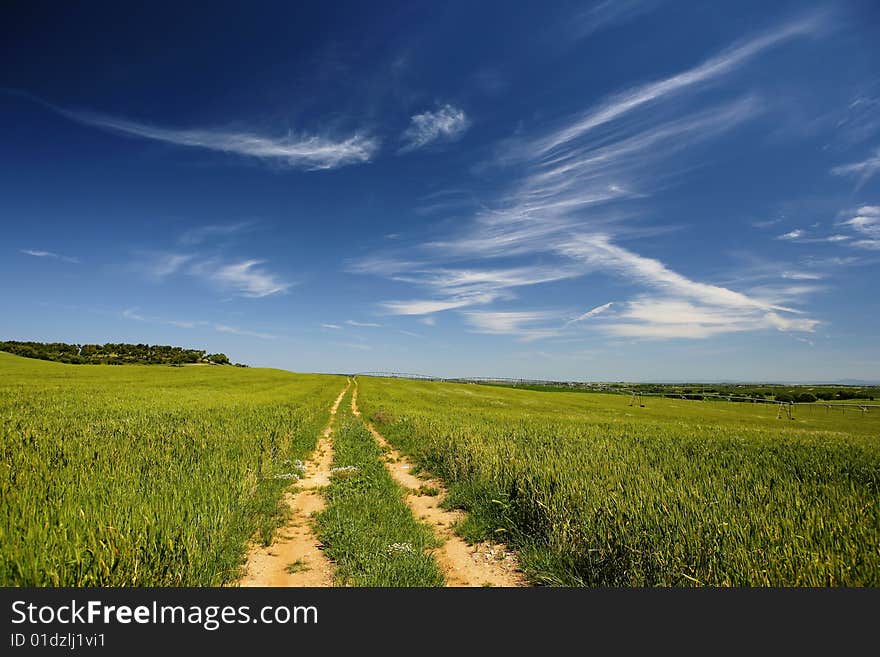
592, 491
146, 475
159, 476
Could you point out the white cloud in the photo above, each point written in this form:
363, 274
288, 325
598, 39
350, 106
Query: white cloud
866, 221
864, 170
135, 315
297, 151
800, 235
666, 331
766, 223
598, 310
166, 264
429, 320
802, 275
597, 251
248, 279
605, 14
335, 327
223, 328
520, 324
37, 253
564, 212
131, 313
201, 234
351, 322
670, 318
709, 70
428, 306
355, 345
446, 124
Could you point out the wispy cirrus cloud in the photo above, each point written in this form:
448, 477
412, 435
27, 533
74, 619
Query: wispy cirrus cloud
234, 330
200, 234
291, 150
526, 325
429, 306
594, 312
867, 223
136, 315
605, 14
39, 253
165, 264
355, 345
669, 317
308, 152
709, 70
802, 275
334, 327
863, 170
446, 124
246, 278
864, 223
563, 215
352, 322
806, 237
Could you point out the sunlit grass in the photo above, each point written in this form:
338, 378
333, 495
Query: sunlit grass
146, 475
595, 492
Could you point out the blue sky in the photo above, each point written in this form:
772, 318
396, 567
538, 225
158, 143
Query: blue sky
632, 190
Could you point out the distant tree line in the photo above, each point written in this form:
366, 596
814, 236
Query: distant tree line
801, 394
780, 393
113, 353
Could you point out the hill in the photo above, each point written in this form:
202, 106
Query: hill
113, 353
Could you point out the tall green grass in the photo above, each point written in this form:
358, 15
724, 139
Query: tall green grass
367, 528
594, 492
146, 475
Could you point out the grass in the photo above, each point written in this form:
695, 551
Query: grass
367, 529
592, 492
146, 475
298, 566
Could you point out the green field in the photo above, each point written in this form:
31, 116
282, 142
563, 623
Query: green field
159, 476
145, 475
592, 491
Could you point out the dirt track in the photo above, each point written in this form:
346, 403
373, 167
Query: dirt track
295, 557
463, 565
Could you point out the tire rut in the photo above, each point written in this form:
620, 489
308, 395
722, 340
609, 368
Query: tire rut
481, 564
295, 557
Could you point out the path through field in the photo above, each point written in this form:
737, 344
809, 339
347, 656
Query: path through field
481, 564
295, 557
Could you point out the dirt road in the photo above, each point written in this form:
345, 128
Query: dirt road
482, 564
295, 557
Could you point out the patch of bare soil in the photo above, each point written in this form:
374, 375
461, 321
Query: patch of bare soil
481, 564
295, 557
